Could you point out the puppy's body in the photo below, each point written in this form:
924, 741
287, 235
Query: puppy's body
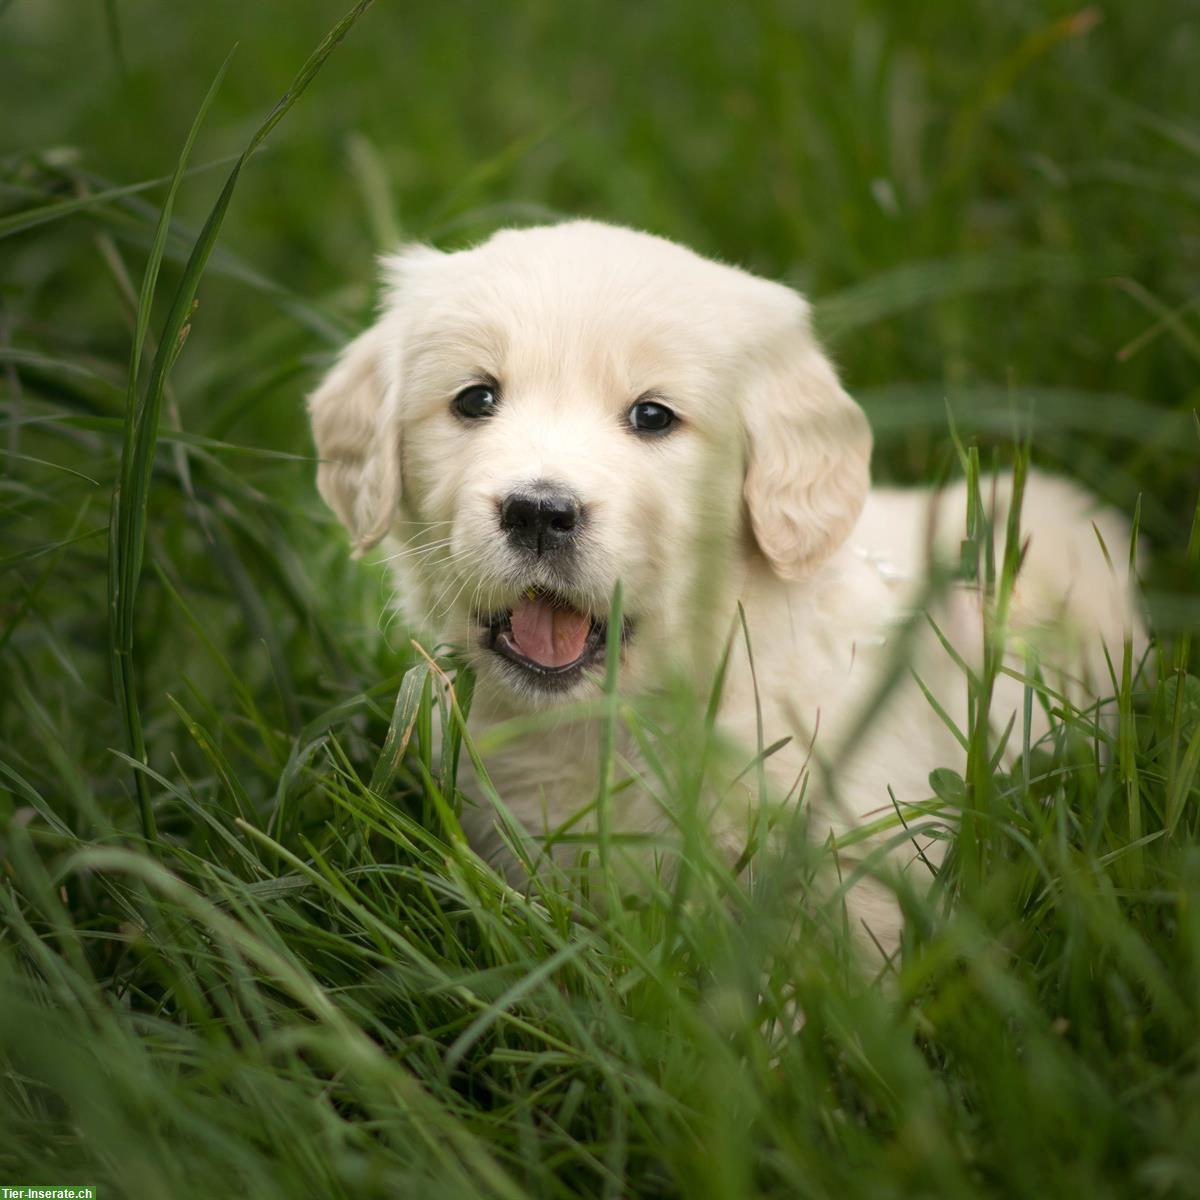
562, 409
821, 646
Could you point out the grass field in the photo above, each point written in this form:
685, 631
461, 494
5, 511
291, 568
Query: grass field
243, 949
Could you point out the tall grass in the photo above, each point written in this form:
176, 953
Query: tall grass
244, 943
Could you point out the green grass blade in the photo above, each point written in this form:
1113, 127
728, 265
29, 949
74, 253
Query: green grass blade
30, 218
121, 578
130, 500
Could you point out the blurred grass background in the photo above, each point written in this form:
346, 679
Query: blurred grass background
995, 208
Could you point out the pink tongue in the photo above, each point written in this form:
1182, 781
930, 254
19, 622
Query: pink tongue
551, 636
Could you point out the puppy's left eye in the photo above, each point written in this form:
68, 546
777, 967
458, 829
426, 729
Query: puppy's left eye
648, 416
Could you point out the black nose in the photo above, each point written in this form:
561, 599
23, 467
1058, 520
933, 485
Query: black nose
542, 519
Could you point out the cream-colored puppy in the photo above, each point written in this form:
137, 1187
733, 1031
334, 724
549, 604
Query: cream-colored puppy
535, 419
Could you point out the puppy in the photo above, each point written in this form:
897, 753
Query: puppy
563, 409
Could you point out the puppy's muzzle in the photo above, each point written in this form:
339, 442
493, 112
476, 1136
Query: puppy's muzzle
543, 518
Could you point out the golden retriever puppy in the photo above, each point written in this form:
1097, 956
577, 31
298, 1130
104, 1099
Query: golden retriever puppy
561, 409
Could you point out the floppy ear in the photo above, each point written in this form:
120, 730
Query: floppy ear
808, 472
357, 433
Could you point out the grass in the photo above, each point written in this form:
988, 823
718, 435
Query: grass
304, 983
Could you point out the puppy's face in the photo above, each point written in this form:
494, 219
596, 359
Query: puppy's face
567, 408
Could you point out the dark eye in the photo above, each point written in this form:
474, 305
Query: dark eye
648, 416
475, 402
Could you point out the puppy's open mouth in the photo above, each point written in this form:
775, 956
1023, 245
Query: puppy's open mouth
547, 638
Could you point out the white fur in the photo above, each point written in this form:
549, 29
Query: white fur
761, 496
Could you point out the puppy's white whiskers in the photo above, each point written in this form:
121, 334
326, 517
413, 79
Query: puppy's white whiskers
407, 550
443, 611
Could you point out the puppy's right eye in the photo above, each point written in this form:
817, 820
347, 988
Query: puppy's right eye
475, 402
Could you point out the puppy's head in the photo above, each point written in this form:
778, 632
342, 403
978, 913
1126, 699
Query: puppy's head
562, 408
